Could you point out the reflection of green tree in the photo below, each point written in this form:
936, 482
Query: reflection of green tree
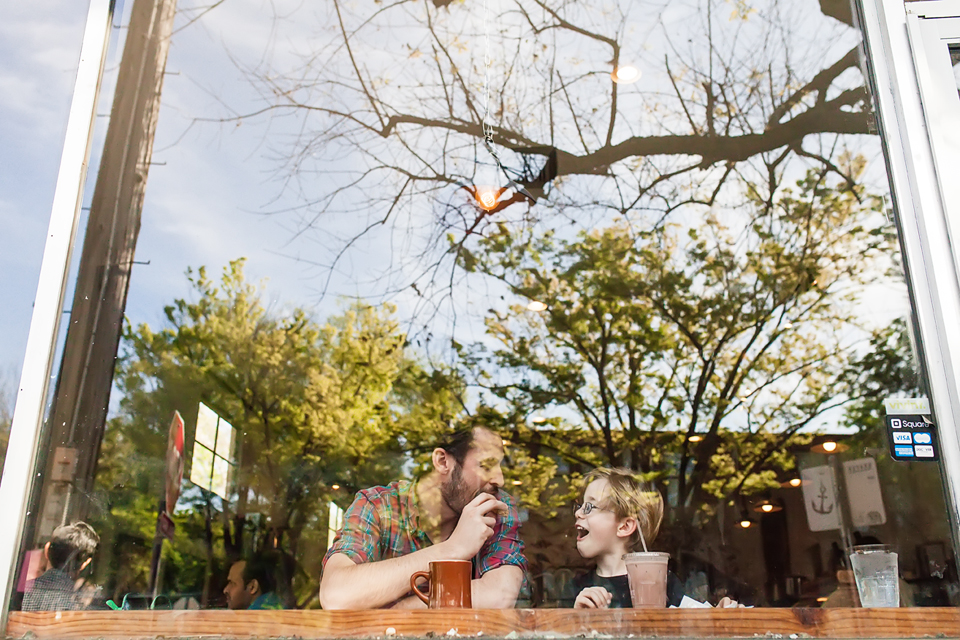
654, 337
314, 405
886, 370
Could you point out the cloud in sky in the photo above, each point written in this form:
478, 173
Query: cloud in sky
39, 52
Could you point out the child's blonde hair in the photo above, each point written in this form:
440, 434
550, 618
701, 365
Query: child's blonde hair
630, 497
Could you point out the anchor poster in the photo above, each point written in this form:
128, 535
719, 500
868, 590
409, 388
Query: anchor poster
820, 498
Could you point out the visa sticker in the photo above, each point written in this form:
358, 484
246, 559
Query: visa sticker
902, 437
904, 452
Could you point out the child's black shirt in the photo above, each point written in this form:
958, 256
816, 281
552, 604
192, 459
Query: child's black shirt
619, 588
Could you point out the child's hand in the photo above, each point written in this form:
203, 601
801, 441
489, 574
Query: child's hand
593, 598
729, 603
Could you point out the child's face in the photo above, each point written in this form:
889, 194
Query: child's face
597, 531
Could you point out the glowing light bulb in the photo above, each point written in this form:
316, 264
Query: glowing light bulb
829, 447
517, 483
745, 524
695, 438
335, 487
625, 74
767, 508
538, 419
536, 305
795, 482
487, 197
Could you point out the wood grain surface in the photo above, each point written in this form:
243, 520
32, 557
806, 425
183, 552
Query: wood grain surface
820, 623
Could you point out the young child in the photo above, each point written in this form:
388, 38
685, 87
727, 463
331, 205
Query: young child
617, 507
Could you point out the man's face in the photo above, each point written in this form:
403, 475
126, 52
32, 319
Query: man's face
238, 596
479, 473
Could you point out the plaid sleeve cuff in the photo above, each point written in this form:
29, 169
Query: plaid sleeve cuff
360, 535
504, 547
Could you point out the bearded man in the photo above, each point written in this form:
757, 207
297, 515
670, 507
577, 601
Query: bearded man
458, 511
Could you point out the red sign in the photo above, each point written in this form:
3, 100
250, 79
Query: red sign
165, 526
174, 474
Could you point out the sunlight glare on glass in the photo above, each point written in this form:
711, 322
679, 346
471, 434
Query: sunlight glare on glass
625, 74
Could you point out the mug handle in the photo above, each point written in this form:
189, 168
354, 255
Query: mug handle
413, 585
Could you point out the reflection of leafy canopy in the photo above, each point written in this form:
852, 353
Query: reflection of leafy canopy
696, 353
314, 405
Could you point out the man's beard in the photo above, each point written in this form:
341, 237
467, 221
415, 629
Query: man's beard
456, 494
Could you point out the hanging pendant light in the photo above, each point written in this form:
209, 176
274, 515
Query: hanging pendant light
767, 506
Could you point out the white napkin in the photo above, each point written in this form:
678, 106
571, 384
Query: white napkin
690, 603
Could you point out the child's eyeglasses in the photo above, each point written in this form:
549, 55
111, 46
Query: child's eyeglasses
588, 508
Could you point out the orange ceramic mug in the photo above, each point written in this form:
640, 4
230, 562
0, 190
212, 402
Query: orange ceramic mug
450, 586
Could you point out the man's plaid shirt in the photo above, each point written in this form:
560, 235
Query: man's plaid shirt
384, 522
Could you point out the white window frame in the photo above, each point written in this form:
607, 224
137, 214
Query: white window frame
920, 129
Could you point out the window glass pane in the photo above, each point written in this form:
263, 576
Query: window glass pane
644, 236
33, 115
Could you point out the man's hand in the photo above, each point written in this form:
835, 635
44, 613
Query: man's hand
593, 598
474, 527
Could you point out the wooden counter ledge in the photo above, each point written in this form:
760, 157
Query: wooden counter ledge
709, 623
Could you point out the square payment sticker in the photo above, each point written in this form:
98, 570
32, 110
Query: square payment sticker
912, 437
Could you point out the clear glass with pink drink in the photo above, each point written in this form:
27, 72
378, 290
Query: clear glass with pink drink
647, 572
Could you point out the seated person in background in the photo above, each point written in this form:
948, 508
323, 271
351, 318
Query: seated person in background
69, 551
456, 512
617, 508
252, 584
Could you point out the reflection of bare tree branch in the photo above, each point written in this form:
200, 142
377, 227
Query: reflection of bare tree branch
405, 105
203, 11
819, 85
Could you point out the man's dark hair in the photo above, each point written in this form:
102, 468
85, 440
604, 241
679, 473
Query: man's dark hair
262, 568
459, 443
72, 544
